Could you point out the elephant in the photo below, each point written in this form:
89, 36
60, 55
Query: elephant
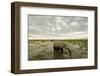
59, 49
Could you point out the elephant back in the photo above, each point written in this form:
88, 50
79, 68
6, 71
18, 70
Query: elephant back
59, 44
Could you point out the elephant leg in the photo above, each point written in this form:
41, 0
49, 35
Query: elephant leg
61, 50
58, 53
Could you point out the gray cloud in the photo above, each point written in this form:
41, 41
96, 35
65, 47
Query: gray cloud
57, 26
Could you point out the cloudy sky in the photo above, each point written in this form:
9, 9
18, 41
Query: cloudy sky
57, 27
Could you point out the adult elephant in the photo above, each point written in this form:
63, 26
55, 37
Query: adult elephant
59, 49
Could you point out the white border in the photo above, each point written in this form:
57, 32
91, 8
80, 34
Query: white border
25, 64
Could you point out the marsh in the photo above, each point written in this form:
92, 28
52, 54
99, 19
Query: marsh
57, 49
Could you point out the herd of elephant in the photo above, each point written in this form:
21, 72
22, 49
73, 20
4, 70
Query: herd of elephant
59, 49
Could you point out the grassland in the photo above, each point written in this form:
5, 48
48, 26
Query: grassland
43, 49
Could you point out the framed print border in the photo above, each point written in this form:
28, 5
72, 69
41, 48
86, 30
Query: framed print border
15, 37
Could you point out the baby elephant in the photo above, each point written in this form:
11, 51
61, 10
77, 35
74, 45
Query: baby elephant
59, 49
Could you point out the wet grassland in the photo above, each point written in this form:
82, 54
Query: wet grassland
57, 49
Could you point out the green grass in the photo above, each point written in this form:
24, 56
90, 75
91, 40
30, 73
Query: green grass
43, 49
